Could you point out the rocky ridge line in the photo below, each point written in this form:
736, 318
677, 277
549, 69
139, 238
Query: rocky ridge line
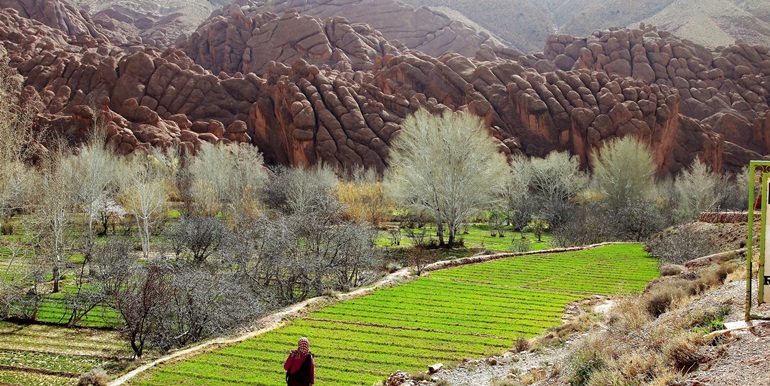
344, 106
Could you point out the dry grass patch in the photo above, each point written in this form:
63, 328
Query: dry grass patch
95, 377
506, 382
628, 315
682, 351
653, 338
671, 269
660, 298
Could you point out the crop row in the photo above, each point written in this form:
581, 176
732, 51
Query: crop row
378, 334
445, 301
64, 340
441, 322
452, 291
455, 311
24, 378
430, 289
360, 340
618, 263
54, 309
49, 361
515, 329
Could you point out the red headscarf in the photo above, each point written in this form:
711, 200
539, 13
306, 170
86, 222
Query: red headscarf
303, 347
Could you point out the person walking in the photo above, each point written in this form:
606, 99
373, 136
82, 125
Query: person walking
299, 366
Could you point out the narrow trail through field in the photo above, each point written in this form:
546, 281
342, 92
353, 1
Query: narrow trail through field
277, 319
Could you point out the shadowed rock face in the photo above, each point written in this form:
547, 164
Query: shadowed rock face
328, 90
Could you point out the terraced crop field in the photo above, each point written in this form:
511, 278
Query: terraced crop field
471, 311
51, 355
54, 309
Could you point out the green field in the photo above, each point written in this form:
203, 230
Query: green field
51, 355
54, 309
473, 237
471, 311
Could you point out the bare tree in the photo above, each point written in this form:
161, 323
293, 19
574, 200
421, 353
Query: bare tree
556, 179
201, 236
516, 199
14, 281
95, 167
624, 172
111, 268
523, 210
682, 244
202, 302
697, 190
141, 301
348, 251
448, 165
292, 257
420, 257
249, 177
145, 191
53, 211
312, 190
227, 179
734, 190
16, 133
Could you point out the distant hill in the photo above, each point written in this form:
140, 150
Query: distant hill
526, 23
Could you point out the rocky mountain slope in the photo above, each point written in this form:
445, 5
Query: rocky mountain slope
307, 85
526, 23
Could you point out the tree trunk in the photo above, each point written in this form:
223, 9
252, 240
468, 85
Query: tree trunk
440, 233
55, 275
145, 237
452, 234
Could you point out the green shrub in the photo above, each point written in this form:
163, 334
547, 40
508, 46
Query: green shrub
711, 320
521, 344
583, 365
520, 246
7, 228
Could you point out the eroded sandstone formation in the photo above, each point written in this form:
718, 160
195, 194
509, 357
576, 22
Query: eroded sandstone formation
727, 92
420, 29
77, 25
306, 89
249, 43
